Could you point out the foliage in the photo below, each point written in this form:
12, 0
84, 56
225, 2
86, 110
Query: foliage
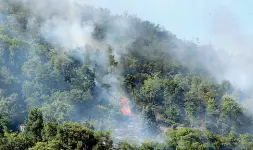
46, 86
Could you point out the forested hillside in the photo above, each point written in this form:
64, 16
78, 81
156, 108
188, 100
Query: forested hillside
65, 79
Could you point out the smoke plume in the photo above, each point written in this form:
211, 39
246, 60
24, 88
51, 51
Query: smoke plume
69, 25
233, 48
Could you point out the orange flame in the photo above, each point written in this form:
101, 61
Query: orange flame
125, 110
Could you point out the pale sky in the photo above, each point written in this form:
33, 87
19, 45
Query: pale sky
225, 24
185, 18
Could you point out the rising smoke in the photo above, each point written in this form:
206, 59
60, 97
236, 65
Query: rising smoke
69, 26
228, 55
234, 48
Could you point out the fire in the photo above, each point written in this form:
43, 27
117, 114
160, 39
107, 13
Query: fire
125, 109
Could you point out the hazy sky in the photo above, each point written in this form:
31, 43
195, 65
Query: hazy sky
226, 24
186, 18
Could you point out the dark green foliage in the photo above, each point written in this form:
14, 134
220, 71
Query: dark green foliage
50, 131
124, 145
189, 139
34, 125
52, 145
72, 135
4, 123
12, 141
150, 120
158, 72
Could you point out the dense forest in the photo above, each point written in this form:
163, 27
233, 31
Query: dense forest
63, 79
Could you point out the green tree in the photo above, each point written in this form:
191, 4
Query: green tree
50, 131
151, 91
124, 145
59, 110
34, 124
245, 142
12, 141
51, 145
150, 120
187, 138
231, 114
4, 123
83, 79
74, 136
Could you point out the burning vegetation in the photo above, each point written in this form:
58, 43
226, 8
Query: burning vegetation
124, 107
69, 61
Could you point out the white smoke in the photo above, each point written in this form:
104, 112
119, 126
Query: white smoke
61, 23
234, 48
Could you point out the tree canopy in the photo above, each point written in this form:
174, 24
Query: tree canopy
69, 98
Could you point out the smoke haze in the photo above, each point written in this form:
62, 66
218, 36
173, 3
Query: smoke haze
63, 23
66, 25
234, 48
219, 25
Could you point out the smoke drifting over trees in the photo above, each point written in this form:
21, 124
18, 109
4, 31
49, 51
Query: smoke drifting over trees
65, 61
